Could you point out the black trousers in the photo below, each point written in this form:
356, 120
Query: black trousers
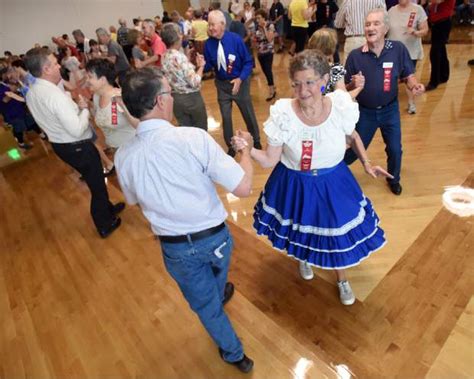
244, 102
266, 62
438, 54
300, 35
84, 157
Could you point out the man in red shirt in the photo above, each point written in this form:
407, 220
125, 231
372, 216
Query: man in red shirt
440, 20
156, 44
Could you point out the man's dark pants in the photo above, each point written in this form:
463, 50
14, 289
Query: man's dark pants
388, 120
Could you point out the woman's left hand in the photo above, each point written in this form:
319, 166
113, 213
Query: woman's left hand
376, 171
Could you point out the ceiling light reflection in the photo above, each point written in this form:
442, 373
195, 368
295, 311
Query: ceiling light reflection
212, 124
301, 368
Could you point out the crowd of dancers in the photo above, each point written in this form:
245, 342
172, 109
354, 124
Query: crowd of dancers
130, 83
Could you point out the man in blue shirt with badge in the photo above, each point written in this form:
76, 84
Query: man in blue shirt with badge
226, 53
381, 64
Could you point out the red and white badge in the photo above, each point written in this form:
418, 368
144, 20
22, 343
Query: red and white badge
306, 155
411, 19
387, 76
113, 108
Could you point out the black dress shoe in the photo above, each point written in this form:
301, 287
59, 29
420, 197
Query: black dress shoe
117, 208
244, 365
396, 188
430, 87
228, 292
104, 233
109, 172
231, 152
270, 98
257, 145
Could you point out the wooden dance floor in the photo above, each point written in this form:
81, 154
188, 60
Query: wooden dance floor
75, 306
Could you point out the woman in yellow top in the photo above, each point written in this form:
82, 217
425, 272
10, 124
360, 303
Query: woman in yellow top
199, 31
299, 13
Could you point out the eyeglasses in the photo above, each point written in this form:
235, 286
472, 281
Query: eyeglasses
160, 94
308, 83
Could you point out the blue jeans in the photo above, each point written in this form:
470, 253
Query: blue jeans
388, 120
200, 268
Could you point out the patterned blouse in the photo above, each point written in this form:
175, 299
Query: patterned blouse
180, 72
336, 73
263, 46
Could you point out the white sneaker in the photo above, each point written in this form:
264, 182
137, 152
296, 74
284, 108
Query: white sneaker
345, 293
411, 108
306, 271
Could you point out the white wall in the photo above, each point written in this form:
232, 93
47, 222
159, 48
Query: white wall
25, 22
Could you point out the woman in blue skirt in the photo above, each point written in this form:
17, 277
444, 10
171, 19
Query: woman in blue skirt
312, 207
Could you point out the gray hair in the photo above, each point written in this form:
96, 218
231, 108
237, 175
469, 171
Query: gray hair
217, 14
139, 90
102, 32
386, 20
122, 21
149, 22
78, 32
35, 60
309, 60
170, 34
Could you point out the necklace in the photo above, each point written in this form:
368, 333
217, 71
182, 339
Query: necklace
308, 117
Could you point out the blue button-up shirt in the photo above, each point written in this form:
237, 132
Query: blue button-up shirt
381, 73
233, 44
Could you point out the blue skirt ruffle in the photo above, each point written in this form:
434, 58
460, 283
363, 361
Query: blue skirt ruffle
324, 220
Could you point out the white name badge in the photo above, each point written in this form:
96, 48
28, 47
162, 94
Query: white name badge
387, 64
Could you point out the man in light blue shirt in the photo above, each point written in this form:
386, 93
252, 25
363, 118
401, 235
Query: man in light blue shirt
170, 172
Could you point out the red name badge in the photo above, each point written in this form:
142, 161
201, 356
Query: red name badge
387, 76
306, 155
411, 20
114, 113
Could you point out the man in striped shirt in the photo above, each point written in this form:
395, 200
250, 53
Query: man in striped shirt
351, 17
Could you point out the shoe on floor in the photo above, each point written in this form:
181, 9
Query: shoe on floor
306, 271
430, 87
108, 172
104, 233
396, 188
117, 208
231, 152
244, 365
345, 293
271, 97
228, 292
257, 145
24, 146
411, 108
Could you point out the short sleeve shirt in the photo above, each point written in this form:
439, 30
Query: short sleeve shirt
121, 62
170, 172
382, 73
137, 53
400, 21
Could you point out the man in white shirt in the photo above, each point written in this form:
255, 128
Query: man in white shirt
351, 18
67, 126
170, 172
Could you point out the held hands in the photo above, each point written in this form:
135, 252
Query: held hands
236, 82
411, 31
358, 80
418, 89
200, 61
82, 103
242, 141
376, 171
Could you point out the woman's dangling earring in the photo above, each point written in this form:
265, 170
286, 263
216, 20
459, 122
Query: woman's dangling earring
323, 88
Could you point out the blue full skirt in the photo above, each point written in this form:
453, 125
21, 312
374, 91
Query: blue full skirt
324, 220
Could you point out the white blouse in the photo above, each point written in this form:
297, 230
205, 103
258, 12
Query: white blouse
284, 128
115, 134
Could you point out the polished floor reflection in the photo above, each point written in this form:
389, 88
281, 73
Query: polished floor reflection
75, 306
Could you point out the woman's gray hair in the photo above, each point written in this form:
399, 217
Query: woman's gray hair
309, 60
102, 32
170, 34
386, 20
